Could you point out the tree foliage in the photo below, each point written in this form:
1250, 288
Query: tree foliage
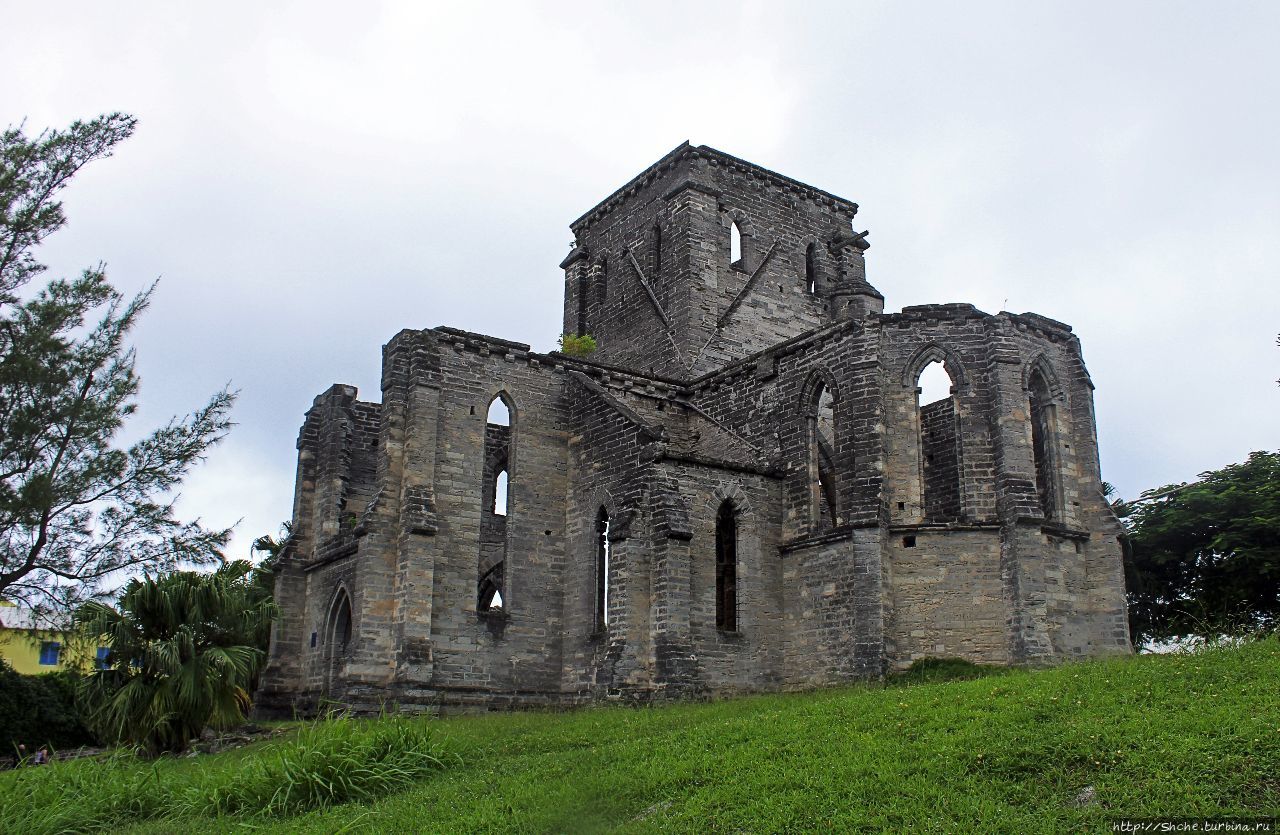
75, 508
183, 656
1204, 558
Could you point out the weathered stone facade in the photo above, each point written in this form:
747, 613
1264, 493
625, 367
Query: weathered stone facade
738, 491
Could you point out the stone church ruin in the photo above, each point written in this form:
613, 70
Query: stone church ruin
740, 490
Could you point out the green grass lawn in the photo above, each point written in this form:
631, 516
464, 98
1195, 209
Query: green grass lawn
1154, 736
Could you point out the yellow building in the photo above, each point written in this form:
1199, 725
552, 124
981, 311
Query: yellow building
31, 650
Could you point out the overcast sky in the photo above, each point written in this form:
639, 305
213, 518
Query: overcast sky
309, 178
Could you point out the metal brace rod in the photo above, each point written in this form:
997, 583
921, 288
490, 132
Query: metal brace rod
653, 298
746, 288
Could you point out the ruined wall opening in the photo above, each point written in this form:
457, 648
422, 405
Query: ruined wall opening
824, 498
500, 493
1044, 447
495, 496
602, 570
337, 637
939, 443
735, 244
727, 567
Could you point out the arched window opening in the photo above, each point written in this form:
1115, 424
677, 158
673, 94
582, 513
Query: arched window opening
339, 632
824, 502
499, 413
934, 383
811, 268
735, 243
489, 596
1043, 443
495, 505
602, 570
727, 568
939, 444
500, 493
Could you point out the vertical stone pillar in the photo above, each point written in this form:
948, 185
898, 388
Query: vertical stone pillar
1022, 547
675, 663
411, 407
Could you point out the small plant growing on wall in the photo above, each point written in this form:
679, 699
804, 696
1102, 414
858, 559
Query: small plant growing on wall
575, 345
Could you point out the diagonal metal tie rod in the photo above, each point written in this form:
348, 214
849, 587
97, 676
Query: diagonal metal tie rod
746, 288
653, 298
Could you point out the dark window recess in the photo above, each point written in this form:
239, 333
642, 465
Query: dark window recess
657, 251
811, 268
908, 542
727, 568
602, 570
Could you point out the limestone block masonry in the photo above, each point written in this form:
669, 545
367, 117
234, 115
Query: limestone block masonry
740, 490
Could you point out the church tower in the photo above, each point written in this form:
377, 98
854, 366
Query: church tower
704, 258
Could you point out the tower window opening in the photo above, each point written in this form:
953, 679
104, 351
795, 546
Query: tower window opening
657, 250
735, 243
811, 269
584, 285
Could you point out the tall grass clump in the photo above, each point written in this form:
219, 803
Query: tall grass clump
329, 762
325, 763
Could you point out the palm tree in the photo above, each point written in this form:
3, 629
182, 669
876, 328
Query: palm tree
183, 654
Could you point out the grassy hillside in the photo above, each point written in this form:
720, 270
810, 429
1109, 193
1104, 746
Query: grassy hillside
1193, 735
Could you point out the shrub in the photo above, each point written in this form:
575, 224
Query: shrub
40, 710
576, 345
183, 656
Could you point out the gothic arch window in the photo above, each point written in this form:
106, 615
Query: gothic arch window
337, 638
338, 633
735, 244
811, 268
938, 442
727, 567
496, 505
824, 499
1044, 446
499, 413
602, 570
